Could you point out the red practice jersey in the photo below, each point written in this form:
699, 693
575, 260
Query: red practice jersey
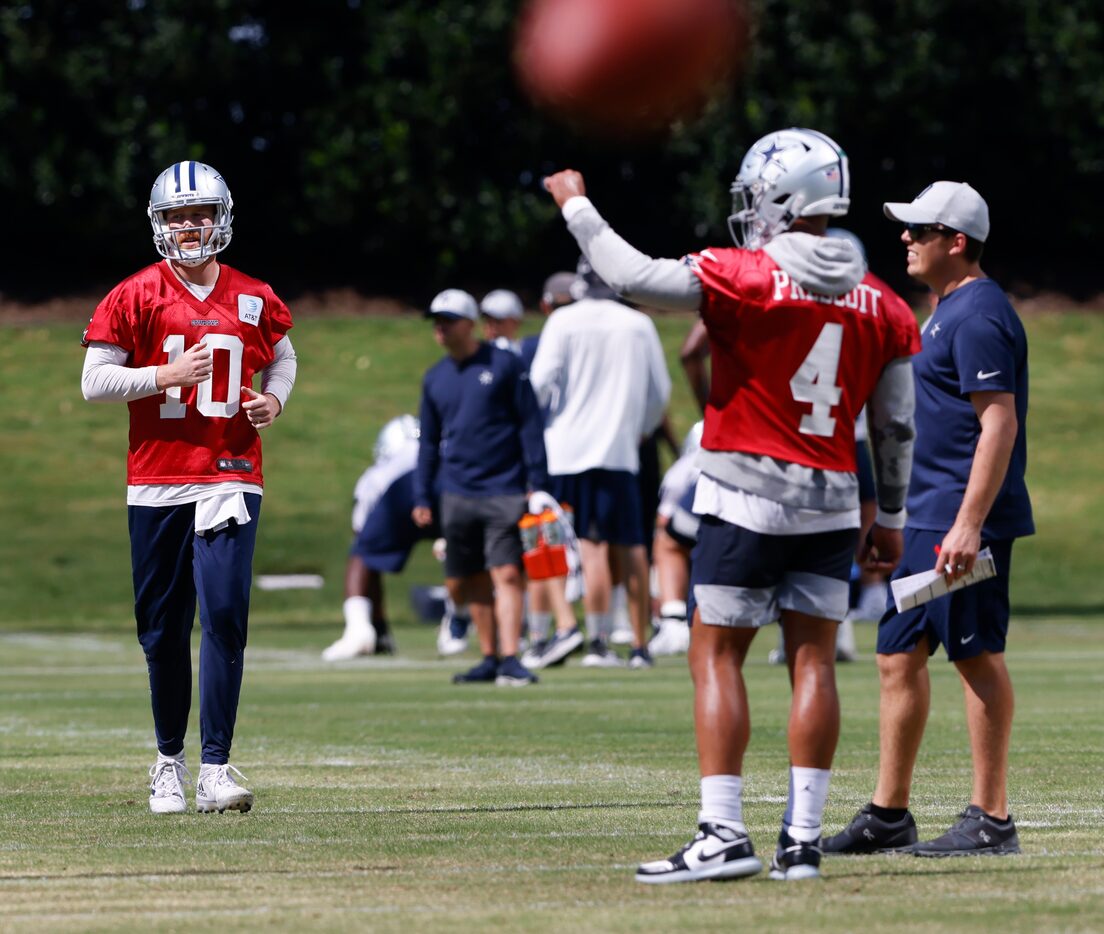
792, 369
196, 434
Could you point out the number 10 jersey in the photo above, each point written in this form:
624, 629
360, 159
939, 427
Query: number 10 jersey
194, 434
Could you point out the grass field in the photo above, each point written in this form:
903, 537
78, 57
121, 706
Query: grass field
390, 800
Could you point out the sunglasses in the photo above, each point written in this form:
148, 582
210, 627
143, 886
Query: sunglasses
919, 231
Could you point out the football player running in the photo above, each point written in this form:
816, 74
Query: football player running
801, 336
181, 342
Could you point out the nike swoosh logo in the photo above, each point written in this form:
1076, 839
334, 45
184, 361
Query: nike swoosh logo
706, 857
966, 639
982, 375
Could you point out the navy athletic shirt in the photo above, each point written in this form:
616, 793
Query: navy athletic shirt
973, 342
481, 430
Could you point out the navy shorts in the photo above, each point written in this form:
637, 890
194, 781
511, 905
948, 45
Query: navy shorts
389, 534
742, 578
966, 622
683, 523
606, 504
481, 532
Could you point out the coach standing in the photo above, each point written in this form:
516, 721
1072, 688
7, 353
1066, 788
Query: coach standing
481, 438
967, 493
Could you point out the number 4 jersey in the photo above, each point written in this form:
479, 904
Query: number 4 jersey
792, 369
195, 434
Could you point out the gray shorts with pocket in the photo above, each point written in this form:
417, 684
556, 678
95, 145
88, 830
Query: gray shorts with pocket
481, 532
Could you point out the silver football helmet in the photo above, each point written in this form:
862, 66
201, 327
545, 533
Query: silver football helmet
393, 436
184, 184
786, 175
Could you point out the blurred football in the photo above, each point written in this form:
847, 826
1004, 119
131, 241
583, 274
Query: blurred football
628, 65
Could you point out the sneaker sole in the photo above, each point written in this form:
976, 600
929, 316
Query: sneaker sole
505, 681
1002, 850
181, 808
562, 650
880, 851
795, 874
592, 662
737, 869
244, 806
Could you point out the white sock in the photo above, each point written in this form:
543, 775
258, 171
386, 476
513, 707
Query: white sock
808, 792
673, 611
358, 615
722, 801
539, 624
179, 757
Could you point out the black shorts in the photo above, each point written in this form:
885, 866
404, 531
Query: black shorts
481, 532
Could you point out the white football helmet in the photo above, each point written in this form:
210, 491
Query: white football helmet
180, 185
394, 436
786, 175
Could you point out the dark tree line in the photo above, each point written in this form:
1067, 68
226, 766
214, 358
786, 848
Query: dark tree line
384, 145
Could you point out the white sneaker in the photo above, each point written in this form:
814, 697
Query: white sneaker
673, 638
350, 645
600, 655
167, 778
216, 790
452, 636
622, 633
716, 852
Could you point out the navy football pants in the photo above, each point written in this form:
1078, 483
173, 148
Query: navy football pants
172, 566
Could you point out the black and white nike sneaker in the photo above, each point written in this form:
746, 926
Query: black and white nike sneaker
795, 859
975, 834
868, 833
716, 852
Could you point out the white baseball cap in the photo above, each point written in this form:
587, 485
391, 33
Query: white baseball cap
952, 204
453, 303
502, 303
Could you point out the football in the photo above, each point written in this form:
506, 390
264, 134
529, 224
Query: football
626, 66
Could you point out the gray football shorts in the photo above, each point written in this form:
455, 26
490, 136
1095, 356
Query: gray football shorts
481, 532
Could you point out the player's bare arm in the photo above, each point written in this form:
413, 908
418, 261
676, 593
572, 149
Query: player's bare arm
997, 413
192, 367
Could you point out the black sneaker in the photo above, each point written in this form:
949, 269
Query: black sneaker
716, 852
794, 859
868, 833
975, 834
485, 671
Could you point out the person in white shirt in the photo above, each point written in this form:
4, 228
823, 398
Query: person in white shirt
601, 378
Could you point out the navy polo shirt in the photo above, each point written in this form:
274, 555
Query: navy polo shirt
481, 431
973, 342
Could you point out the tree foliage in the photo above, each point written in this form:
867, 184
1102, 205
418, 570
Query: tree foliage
386, 146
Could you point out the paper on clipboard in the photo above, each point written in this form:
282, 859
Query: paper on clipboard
927, 585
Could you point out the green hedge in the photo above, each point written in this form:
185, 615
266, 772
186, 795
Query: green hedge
385, 145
